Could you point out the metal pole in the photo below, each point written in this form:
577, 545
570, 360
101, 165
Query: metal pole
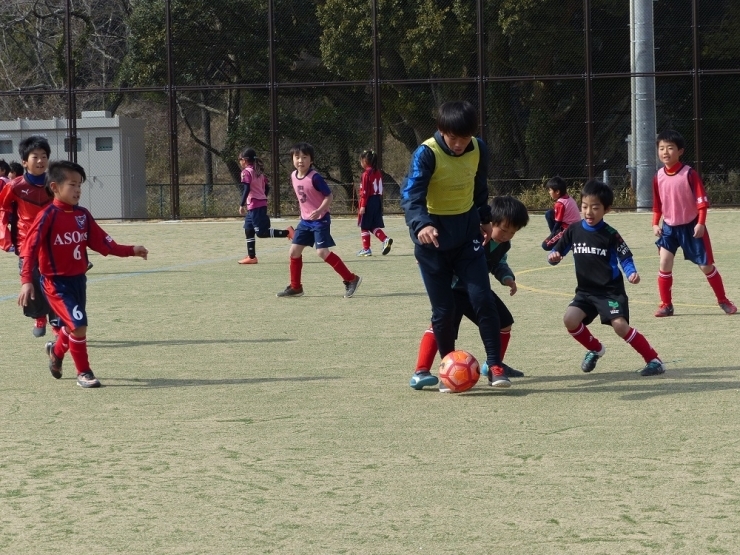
71, 97
697, 87
588, 91
274, 122
172, 118
481, 71
644, 132
377, 120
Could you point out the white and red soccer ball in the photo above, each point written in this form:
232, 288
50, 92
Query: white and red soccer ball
459, 371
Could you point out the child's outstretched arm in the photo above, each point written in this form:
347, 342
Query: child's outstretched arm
141, 251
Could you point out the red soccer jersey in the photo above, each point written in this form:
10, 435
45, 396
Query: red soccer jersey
371, 184
24, 201
59, 238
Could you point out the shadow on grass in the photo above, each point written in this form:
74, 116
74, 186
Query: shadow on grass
631, 385
180, 342
157, 383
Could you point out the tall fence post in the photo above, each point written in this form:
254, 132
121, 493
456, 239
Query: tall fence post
71, 94
588, 90
172, 118
274, 122
696, 83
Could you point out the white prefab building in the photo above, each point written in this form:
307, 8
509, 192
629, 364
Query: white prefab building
111, 149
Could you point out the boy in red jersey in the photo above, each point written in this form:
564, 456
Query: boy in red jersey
314, 201
57, 244
564, 212
370, 212
20, 201
679, 197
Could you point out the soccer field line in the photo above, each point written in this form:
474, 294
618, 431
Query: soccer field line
562, 294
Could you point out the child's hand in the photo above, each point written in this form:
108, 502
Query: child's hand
26, 294
362, 211
428, 235
487, 231
140, 251
634, 278
315, 215
699, 231
242, 210
657, 231
511, 284
554, 257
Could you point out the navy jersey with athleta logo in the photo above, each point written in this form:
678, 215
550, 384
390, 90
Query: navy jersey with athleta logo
59, 239
597, 253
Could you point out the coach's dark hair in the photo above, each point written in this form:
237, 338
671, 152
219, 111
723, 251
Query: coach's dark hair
558, 184
59, 171
671, 136
458, 118
599, 189
509, 209
303, 148
29, 144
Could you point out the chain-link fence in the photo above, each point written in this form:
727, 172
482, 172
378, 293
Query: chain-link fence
206, 78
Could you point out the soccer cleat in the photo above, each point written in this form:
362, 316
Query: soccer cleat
591, 358
87, 379
509, 372
728, 306
653, 368
497, 378
291, 232
365, 252
423, 379
665, 310
443, 388
351, 286
247, 260
387, 244
39, 327
55, 363
290, 292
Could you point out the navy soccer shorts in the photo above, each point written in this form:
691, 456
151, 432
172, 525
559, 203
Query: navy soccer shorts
67, 296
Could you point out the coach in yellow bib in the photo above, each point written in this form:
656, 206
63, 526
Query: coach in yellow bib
445, 201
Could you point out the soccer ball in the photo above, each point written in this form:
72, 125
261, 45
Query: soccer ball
459, 371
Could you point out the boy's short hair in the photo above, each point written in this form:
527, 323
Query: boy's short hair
558, 184
303, 148
459, 118
16, 168
59, 170
509, 209
671, 136
29, 144
4, 167
599, 189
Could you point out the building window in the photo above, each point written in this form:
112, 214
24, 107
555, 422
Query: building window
78, 143
104, 144
6, 147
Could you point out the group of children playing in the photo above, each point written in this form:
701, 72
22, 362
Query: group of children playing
459, 238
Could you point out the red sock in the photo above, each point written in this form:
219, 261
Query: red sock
638, 342
505, 337
715, 282
365, 236
335, 262
584, 337
61, 346
380, 234
78, 350
665, 284
427, 351
296, 266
